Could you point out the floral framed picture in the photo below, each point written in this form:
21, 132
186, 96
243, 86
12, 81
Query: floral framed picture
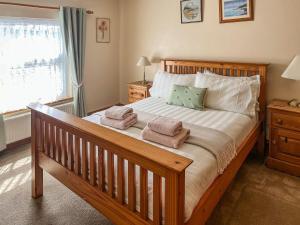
191, 11
236, 11
103, 30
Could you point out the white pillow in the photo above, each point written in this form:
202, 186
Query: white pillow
234, 94
164, 81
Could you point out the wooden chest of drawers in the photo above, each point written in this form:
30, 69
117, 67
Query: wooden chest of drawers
138, 91
284, 127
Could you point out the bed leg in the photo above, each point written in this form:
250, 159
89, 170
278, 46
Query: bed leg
37, 171
37, 181
261, 145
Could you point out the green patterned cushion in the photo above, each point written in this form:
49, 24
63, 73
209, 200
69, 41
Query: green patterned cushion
189, 97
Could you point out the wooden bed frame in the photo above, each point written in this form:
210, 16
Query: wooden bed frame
57, 138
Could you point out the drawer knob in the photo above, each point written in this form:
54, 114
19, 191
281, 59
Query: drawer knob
279, 121
284, 139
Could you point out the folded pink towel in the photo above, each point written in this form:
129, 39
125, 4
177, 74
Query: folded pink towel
173, 142
119, 124
118, 112
166, 126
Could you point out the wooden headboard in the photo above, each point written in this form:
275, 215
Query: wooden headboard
222, 68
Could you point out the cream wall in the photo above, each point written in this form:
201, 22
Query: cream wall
101, 75
153, 28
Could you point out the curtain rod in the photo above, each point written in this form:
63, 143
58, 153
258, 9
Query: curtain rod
37, 6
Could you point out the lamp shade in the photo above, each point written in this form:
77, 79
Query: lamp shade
143, 61
293, 70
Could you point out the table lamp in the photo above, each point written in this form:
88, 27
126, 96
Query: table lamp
293, 73
144, 61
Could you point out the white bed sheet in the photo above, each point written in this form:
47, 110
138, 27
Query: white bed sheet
236, 125
203, 171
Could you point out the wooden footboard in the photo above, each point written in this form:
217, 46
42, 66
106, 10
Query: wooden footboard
82, 155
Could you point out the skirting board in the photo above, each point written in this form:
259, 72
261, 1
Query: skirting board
17, 144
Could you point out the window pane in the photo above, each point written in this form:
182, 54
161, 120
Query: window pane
31, 63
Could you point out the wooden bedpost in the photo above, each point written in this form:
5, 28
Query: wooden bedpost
175, 198
163, 65
263, 70
37, 172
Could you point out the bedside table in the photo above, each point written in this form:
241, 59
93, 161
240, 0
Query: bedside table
284, 128
138, 91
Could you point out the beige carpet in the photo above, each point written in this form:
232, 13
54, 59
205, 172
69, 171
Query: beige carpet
257, 207
258, 196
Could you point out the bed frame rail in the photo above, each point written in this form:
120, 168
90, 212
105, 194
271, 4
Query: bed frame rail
85, 157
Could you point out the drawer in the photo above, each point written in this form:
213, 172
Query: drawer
285, 145
137, 93
286, 121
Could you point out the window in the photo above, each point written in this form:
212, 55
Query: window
32, 63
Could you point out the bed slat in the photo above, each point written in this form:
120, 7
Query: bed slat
144, 193
77, 167
43, 136
92, 165
120, 184
64, 148
157, 206
131, 187
70, 151
84, 160
101, 169
52, 141
58, 144
47, 146
110, 168
39, 137
224, 72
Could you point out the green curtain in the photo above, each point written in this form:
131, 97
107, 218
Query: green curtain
73, 21
2, 134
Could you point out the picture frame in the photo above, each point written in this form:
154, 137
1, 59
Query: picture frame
191, 11
236, 11
103, 30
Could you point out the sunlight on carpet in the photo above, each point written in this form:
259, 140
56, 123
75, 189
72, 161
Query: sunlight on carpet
17, 179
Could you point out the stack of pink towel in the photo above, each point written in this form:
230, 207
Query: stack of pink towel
119, 117
166, 131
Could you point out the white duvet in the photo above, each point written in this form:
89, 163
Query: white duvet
203, 171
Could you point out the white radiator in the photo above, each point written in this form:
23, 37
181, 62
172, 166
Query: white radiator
19, 127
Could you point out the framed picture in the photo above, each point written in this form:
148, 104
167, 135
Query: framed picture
103, 30
191, 11
236, 10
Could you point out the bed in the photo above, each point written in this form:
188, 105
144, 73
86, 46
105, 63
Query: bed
115, 171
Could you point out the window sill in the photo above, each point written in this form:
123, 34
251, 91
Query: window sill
22, 111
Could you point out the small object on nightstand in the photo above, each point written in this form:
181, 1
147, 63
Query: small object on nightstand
293, 103
284, 127
293, 73
138, 91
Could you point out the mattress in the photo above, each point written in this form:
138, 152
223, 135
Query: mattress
203, 171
